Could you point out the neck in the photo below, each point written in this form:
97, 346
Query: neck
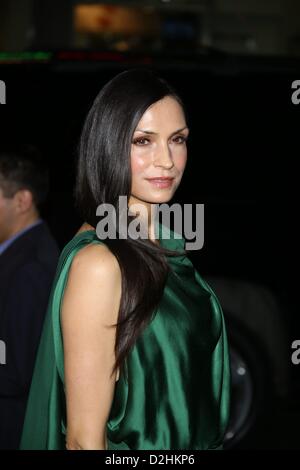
21, 224
146, 215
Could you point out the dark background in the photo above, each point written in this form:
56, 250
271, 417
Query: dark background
242, 164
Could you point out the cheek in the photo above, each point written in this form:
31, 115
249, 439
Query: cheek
181, 161
138, 164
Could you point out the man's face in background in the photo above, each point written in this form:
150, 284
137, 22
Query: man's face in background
7, 215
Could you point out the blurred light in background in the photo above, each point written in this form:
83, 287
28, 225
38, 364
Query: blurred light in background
250, 27
113, 26
130, 28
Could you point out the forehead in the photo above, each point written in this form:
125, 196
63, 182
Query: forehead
165, 111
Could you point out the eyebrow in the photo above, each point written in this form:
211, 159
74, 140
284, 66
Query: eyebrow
151, 132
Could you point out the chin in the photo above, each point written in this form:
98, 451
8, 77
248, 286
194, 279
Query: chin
159, 199
154, 197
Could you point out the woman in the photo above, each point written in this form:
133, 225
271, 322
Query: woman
134, 351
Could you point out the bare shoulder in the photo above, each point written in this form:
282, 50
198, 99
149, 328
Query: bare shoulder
94, 274
95, 260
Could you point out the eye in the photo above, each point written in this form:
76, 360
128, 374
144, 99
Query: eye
180, 139
140, 141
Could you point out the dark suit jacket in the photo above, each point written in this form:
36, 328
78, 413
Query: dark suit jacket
27, 269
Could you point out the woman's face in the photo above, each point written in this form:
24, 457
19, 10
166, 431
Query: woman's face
158, 150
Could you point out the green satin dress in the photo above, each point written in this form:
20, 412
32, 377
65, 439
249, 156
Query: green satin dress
177, 394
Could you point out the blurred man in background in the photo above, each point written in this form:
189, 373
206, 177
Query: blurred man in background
28, 260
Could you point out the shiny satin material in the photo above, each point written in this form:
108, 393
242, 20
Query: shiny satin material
177, 393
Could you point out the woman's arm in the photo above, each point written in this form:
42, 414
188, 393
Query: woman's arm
91, 302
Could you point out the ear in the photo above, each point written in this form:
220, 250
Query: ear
23, 200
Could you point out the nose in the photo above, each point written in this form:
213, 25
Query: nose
163, 157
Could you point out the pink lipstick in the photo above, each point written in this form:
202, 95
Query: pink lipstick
161, 182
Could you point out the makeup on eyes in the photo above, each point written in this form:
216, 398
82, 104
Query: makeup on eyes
141, 138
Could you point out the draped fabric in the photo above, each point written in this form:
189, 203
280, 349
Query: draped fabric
176, 394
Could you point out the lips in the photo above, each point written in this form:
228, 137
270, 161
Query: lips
161, 182
161, 178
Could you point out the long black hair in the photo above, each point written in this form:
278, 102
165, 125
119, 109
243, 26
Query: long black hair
104, 174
